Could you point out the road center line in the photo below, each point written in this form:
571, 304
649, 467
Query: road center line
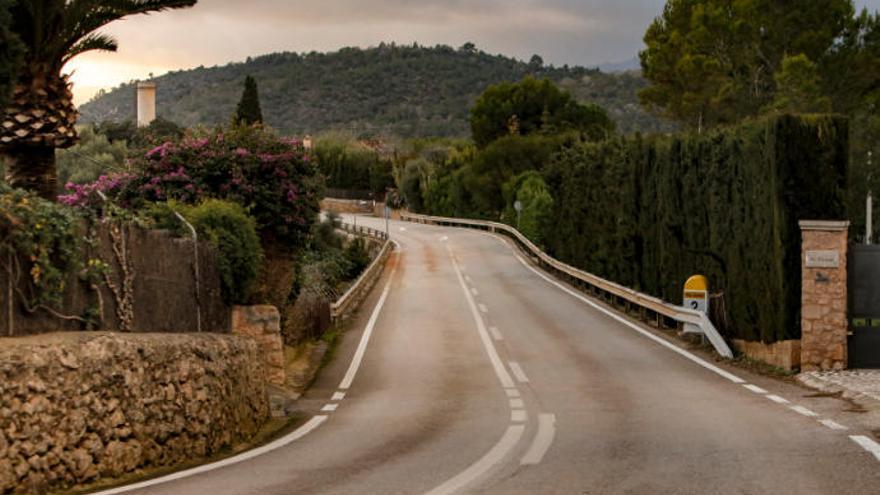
518, 372
698, 360
500, 370
475, 292
543, 440
346, 382
497, 454
329, 408
517, 404
496, 334
867, 444
338, 396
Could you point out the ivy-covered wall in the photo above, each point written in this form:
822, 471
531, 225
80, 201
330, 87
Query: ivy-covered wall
650, 213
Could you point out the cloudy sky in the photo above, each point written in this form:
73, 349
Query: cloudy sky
575, 32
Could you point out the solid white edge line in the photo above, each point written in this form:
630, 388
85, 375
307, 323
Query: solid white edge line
700, 361
494, 456
867, 444
500, 370
543, 440
300, 432
518, 372
834, 425
777, 399
756, 389
346, 382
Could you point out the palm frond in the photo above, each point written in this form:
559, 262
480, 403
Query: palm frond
91, 42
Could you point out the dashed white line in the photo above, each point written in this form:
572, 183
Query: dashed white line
338, 396
867, 444
834, 425
512, 392
702, 362
468, 279
475, 292
496, 334
777, 399
496, 455
756, 389
483, 308
803, 411
517, 404
518, 372
543, 440
518, 416
329, 408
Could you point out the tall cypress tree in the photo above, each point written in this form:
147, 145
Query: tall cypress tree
249, 111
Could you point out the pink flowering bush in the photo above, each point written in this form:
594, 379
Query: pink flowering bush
271, 177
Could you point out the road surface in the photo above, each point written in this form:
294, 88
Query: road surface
469, 371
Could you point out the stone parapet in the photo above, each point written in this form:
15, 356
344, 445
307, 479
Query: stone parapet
824, 322
75, 407
263, 324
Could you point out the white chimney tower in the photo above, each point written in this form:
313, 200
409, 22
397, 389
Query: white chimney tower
146, 103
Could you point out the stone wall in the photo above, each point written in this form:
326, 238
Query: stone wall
263, 324
785, 354
347, 206
824, 322
75, 407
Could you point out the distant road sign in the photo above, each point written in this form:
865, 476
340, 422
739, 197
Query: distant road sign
518, 206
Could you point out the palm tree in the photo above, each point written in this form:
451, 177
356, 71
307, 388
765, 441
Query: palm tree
41, 114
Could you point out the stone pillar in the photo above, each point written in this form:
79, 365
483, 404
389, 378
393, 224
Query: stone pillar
263, 323
824, 324
146, 103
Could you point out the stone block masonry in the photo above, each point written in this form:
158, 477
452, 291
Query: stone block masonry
824, 296
75, 407
263, 324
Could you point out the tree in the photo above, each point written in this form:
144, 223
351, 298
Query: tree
41, 116
93, 156
11, 51
715, 61
532, 106
798, 87
249, 111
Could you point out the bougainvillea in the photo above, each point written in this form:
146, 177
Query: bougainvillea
270, 176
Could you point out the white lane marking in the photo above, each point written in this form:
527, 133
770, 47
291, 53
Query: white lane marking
777, 399
300, 432
512, 392
346, 382
496, 334
475, 292
518, 372
543, 440
517, 404
804, 411
483, 308
444, 238
468, 278
867, 444
702, 362
496, 455
500, 370
403, 229
518, 416
756, 389
329, 408
834, 425
338, 396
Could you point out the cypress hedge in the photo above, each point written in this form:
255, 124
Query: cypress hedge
648, 213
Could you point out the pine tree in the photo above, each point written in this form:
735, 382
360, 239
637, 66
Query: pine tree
249, 111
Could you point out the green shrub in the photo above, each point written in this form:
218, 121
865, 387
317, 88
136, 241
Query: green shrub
648, 214
534, 196
231, 231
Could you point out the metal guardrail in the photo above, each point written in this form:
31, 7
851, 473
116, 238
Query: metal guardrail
349, 301
693, 321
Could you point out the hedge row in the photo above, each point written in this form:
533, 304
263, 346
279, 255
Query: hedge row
650, 213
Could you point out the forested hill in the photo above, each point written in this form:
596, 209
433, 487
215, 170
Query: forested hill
408, 91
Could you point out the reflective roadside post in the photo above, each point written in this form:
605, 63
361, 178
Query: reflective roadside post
696, 294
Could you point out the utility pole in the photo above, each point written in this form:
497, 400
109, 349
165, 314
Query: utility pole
869, 217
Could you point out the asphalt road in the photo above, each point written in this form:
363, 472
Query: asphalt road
476, 374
